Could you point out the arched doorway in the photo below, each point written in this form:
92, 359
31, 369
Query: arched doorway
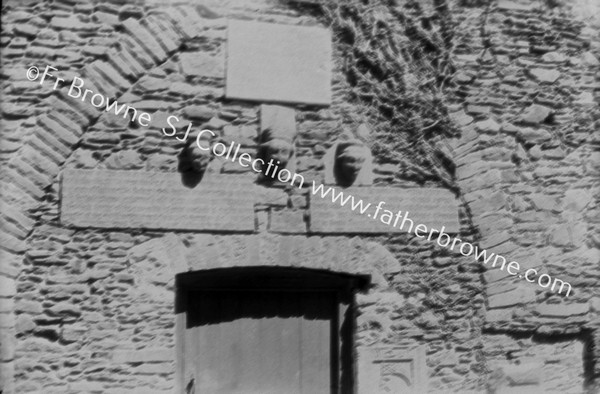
266, 330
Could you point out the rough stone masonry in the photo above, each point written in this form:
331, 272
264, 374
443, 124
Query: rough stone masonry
117, 241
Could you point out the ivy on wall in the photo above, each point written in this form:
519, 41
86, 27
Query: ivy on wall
396, 59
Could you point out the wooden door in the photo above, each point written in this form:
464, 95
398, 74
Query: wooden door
260, 341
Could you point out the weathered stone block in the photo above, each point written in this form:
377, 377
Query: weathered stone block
124, 160
488, 126
554, 57
433, 207
132, 199
202, 64
461, 118
72, 23
544, 75
8, 342
111, 73
505, 248
544, 202
144, 355
26, 30
40, 161
67, 137
494, 239
144, 38
536, 114
521, 295
563, 310
527, 373
164, 33
202, 112
11, 243
134, 50
492, 203
589, 59
24, 323
103, 85
27, 306
31, 173
155, 369
124, 62
271, 62
478, 109
498, 315
7, 372
7, 305
87, 387
470, 165
287, 222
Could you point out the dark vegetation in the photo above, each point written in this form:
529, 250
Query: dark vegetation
396, 59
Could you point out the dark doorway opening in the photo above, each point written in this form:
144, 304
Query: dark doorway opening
266, 330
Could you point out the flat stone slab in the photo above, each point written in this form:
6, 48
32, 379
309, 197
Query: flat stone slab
278, 63
155, 200
433, 207
387, 369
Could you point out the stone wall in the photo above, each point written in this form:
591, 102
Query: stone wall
527, 164
92, 310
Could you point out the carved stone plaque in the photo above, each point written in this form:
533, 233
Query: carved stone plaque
155, 200
278, 63
392, 369
433, 207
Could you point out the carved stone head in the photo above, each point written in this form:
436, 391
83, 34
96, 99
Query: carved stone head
350, 156
277, 149
192, 163
276, 141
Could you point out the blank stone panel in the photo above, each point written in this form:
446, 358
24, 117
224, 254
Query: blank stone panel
433, 207
155, 200
278, 63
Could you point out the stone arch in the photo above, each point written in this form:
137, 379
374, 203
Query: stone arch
34, 167
175, 260
172, 254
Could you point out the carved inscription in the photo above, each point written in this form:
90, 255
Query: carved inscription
433, 207
155, 200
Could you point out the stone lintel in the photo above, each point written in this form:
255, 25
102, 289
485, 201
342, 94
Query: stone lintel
155, 200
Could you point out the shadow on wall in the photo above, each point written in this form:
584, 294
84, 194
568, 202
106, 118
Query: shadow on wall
192, 164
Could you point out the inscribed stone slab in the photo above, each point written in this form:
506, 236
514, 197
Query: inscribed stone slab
278, 63
389, 369
433, 207
155, 200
